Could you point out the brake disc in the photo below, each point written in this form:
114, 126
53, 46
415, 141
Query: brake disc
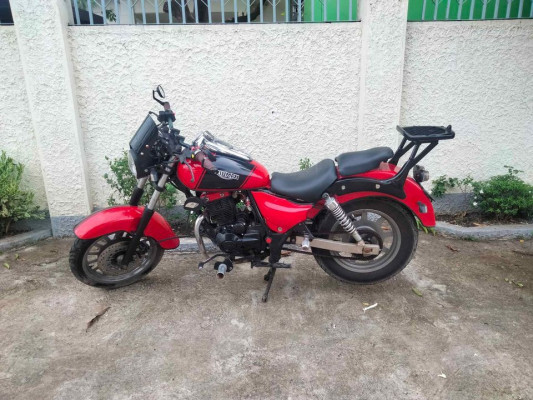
109, 260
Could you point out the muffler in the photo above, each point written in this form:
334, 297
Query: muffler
221, 270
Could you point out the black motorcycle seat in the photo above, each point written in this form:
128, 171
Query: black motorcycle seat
356, 162
307, 185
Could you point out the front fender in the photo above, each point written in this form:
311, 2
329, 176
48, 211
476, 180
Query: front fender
126, 218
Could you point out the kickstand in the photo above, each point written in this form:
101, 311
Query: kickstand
268, 277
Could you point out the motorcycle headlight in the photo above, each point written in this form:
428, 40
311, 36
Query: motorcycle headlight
131, 164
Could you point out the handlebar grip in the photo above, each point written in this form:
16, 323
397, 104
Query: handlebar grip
206, 162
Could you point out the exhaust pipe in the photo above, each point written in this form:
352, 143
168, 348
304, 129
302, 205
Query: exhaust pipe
306, 245
221, 271
199, 240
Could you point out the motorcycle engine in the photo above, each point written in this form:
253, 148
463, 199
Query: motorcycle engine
222, 211
235, 231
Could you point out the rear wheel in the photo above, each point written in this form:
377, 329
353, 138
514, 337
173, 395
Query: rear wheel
379, 222
98, 262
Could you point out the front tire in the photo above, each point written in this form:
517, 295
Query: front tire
96, 262
379, 222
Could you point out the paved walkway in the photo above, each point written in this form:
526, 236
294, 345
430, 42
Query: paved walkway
182, 333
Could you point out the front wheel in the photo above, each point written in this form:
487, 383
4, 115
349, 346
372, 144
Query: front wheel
97, 262
379, 222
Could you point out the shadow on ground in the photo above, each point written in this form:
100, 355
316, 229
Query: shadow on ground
181, 333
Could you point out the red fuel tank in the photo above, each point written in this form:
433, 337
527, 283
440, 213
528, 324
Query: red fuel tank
233, 173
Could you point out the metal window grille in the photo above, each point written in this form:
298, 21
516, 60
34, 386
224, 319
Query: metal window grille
103, 12
469, 10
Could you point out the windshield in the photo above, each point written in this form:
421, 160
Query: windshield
210, 142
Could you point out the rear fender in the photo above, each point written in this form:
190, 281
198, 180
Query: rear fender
126, 218
415, 199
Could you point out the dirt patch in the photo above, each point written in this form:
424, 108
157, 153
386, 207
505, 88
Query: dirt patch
183, 333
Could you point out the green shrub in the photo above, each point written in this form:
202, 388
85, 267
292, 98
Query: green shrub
504, 196
305, 163
443, 183
15, 203
123, 182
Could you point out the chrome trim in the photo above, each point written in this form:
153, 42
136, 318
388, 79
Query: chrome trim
210, 142
199, 240
221, 271
153, 200
141, 182
347, 224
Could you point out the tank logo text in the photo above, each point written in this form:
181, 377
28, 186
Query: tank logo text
227, 175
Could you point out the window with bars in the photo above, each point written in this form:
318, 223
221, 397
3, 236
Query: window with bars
101, 12
442, 10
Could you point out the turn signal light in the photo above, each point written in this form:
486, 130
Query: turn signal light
420, 174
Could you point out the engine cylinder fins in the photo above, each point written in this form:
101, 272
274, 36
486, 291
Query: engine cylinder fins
222, 211
346, 222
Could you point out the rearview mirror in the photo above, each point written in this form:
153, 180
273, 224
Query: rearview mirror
160, 91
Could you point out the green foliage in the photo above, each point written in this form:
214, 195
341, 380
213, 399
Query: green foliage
504, 196
444, 183
15, 203
305, 163
421, 227
123, 182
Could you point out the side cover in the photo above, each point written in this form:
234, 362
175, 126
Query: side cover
126, 218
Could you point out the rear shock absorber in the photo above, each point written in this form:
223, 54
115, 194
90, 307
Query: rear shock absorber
346, 222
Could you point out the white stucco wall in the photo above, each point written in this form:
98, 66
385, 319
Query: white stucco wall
16, 131
40, 26
383, 47
281, 92
477, 76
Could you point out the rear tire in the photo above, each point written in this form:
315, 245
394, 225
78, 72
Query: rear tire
373, 229
88, 256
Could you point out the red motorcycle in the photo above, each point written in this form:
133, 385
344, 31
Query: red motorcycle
357, 217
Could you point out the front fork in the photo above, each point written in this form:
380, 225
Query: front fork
138, 191
148, 210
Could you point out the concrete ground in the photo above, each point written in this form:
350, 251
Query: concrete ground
181, 333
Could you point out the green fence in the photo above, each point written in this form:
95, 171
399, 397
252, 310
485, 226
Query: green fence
442, 10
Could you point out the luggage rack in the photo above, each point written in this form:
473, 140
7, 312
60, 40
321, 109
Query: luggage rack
426, 134
417, 135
